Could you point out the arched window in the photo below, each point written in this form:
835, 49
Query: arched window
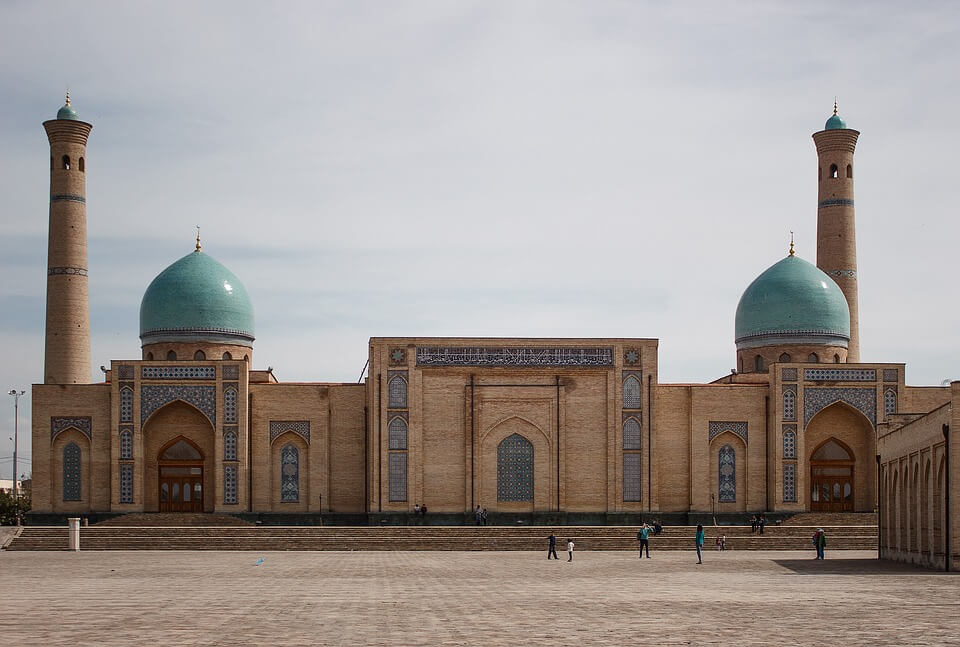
632, 393
82, 166
515, 469
126, 483
812, 358
199, 356
890, 401
727, 475
227, 355
397, 389
126, 404
171, 356
789, 405
289, 474
149, 357
833, 170
849, 170
836, 359
65, 162
230, 446
246, 358
790, 444
631, 434
758, 363
397, 433
785, 357
126, 445
71, 472
230, 405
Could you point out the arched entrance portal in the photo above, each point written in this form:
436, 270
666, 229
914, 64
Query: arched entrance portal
180, 478
832, 477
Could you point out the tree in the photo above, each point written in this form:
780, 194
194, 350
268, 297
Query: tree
8, 508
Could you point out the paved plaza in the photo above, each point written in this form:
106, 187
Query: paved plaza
471, 598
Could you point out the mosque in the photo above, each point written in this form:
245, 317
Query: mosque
566, 430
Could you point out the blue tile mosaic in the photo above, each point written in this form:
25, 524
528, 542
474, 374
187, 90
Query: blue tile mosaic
717, 428
816, 400
155, 396
299, 427
178, 372
515, 469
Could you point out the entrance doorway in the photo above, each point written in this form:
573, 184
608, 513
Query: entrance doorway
831, 478
180, 477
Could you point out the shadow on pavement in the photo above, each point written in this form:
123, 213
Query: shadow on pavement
811, 566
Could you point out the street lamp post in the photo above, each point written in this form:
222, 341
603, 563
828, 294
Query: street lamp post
16, 411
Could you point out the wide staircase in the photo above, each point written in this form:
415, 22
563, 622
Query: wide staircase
116, 536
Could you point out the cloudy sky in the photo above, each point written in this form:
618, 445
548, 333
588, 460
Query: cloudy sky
480, 168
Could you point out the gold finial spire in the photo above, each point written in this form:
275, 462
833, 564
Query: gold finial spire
199, 247
834, 105
68, 96
791, 243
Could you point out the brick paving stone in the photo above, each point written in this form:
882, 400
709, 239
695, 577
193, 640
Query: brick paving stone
471, 598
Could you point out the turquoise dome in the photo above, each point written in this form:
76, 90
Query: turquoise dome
792, 302
196, 299
835, 123
67, 112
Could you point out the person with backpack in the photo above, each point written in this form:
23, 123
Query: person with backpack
820, 542
701, 535
643, 536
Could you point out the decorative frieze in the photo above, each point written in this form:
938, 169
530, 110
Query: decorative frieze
717, 428
154, 396
70, 271
65, 197
788, 375
835, 202
483, 356
231, 372
299, 427
840, 374
83, 424
816, 400
178, 372
125, 372
891, 375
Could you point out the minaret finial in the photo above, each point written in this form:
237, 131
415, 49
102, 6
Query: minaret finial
834, 105
68, 96
199, 247
791, 243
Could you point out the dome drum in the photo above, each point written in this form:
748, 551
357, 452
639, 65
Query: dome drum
793, 338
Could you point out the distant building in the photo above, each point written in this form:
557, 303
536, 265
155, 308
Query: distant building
573, 429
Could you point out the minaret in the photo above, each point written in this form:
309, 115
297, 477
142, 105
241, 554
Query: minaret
67, 351
836, 230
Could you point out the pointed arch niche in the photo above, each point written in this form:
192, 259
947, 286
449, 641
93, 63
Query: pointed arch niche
512, 440
172, 428
851, 431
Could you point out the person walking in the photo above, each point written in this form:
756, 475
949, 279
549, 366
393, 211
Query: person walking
761, 522
477, 514
552, 550
570, 550
699, 541
820, 542
643, 536
483, 516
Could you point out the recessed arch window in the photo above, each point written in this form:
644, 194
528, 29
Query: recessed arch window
890, 401
227, 355
81, 165
289, 474
171, 355
126, 404
230, 446
71, 472
790, 444
397, 390
785, 357
789, 405
230, 405
812, 358
199, 356
632, 393
849, 170
836, 359
149, 357
833, 170
631, 434
397, 433
758, 363
246, 358
515, 469
65, 162
126, 445
727, 474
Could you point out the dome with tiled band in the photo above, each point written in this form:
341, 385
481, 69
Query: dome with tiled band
196, 299
792, 302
